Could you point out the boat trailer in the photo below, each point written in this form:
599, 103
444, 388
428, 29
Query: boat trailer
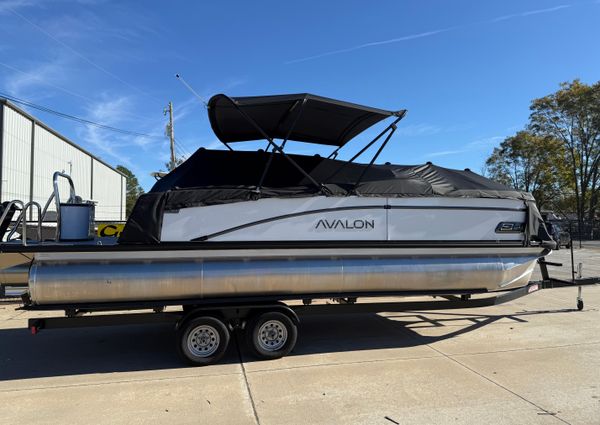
203, 327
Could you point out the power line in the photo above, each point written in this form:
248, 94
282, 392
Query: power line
182, 147
76, 119
180, 153
183, 150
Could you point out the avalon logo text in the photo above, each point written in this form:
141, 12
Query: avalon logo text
345, 224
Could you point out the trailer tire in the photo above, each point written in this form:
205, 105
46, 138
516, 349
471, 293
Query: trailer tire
271, 335
202, 340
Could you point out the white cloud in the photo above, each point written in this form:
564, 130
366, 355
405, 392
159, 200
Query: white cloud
183, 109
424, 129
487, 141
110, 111
9, 5
80, 55
476, 145
445, 153
415, 130
215, 144
84, 25
34, 82
233, 83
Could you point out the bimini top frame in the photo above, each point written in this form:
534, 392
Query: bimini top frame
300, 117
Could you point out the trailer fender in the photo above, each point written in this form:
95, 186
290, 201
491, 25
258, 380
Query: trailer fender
279, 307
197, 312
238, 315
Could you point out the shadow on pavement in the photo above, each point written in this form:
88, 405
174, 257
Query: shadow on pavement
394, 330
66, 352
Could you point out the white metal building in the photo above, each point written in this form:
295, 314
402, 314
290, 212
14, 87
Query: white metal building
30, 152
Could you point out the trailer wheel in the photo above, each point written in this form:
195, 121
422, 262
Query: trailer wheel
202, 340
579, 305
271, 335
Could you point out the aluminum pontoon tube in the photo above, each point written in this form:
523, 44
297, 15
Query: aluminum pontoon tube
89, 278
17, 275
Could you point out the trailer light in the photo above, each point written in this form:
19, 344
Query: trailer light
34, 330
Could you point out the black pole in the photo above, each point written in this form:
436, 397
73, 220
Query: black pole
571, 247
388, 128
293, 126
400, 114
270, 160
377, 138
387, 139
272, 143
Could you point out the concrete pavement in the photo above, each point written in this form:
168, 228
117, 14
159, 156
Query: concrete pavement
535, 360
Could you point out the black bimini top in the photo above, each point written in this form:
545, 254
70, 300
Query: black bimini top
299, 117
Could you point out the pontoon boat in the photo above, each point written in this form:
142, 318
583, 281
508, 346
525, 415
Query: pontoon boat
268, 223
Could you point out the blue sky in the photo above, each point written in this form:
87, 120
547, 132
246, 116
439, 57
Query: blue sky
465, 70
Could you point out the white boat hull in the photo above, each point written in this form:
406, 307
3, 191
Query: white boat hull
347, 218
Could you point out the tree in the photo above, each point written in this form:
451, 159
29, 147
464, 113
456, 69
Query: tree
178, 161
530, 163
572, 116
134, 190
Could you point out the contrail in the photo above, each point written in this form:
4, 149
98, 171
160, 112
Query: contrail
427, 33
81, 55
529, 13
372, 44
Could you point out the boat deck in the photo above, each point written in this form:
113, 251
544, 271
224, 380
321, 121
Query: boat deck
110, 244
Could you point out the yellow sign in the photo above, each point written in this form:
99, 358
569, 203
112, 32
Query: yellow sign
110, 229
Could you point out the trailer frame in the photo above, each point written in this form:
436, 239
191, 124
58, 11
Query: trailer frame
246, 313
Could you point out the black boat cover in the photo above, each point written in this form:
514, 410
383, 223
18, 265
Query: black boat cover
212, 177
300, 117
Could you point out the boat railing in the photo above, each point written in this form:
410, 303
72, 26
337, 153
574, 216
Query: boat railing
22, 221
55, 196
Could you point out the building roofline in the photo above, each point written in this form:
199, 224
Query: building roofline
34, 120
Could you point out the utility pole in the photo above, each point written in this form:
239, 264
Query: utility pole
171, 133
